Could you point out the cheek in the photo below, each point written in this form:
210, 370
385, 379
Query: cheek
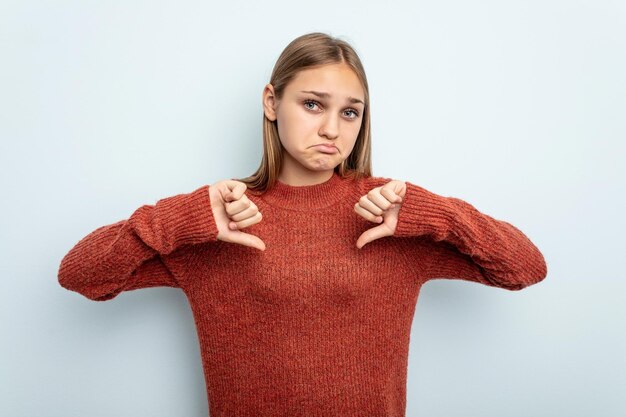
303, 122
353, 135
348, 148
353, 131
296, 125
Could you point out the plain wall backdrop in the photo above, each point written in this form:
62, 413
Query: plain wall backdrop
517, 107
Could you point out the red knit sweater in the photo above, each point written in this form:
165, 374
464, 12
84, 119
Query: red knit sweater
312, 326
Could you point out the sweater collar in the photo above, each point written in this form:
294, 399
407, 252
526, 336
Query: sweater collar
306, 197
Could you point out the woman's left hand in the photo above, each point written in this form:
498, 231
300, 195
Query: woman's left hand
380, 205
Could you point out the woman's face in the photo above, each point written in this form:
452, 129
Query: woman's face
322, 105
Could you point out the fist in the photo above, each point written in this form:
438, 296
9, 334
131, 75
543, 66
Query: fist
380, 205
232, 211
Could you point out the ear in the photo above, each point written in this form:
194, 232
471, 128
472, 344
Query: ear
269, 102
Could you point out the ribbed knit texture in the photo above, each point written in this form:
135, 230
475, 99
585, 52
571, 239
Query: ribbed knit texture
312, 326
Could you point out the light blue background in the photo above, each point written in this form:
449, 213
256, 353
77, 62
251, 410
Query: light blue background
518, 107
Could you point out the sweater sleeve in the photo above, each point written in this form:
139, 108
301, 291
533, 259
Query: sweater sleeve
131, 254
459, 242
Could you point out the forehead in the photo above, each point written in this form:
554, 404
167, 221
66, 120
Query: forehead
337, 79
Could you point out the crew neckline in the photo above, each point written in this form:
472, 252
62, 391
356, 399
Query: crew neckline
305, 197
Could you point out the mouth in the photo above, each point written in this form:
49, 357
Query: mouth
325, 148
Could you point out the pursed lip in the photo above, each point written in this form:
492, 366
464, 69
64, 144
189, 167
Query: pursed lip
327, 148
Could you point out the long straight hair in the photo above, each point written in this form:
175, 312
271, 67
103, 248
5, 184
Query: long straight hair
307, 51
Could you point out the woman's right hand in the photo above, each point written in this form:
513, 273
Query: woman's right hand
233, 210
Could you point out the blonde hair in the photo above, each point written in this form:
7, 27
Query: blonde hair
306, 51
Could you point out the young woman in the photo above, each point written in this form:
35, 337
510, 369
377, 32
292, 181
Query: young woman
309, 310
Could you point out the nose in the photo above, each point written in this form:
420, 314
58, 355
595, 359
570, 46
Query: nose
330, 126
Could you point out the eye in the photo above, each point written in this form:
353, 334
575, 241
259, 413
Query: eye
310, 102
356, 114
315, 103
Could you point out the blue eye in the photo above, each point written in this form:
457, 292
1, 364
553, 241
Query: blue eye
355, 114
310, 102
306, 102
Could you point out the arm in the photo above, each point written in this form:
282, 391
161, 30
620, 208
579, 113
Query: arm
457, 241
129, 254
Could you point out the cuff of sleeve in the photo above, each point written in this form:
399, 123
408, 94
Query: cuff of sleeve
187, 218
424, 213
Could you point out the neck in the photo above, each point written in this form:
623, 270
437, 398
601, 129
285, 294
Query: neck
299, 179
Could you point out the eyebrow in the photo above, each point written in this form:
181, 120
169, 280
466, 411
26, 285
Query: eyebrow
326, 95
